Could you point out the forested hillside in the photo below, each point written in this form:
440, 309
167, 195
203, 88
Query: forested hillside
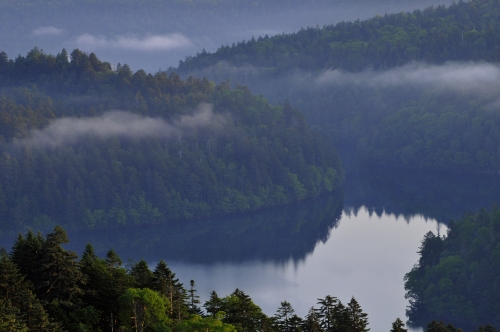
456, 277
87, 146
414, 90
152, 34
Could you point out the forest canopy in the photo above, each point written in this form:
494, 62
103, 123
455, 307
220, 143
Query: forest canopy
411, 90
456, 277
89, 146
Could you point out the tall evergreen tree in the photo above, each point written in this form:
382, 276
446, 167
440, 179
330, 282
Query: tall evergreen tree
58, 276
358, 319
15, 292
194, 300
142, 274
283, 317
312, 322
327, 312
25, 253
213, 305
398, 326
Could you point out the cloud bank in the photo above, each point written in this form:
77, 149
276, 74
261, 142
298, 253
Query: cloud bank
149, 43
122, 124
47, 31
473, 77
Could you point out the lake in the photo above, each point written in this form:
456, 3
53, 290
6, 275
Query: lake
358, 242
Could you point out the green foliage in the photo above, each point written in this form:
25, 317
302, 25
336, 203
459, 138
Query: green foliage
143, 310
251, 156
433, 34
198, 324
455, 278
398, 326
387, 124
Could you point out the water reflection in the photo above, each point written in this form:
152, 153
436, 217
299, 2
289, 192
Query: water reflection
357, 243
365, 257
443, 196
277, 235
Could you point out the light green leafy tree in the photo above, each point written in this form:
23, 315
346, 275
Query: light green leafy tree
144, 310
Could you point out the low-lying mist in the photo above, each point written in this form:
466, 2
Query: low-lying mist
114, 123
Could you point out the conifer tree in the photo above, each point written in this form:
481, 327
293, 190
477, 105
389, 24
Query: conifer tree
25, 252
312, 321
326, 312
142, 274
213, 305
398, 326
358, 319
16, 292
112, 259
283, 316
58, 276
194, 300
10, 318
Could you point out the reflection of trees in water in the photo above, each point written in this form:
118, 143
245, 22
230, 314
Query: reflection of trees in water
277, 235
443, 196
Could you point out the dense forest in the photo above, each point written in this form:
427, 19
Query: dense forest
456, 278
168, 150
44, 287
152, 34
413, 90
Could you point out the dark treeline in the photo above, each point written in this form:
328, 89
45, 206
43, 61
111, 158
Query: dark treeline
44, 287
456, 278
379, 88
463, 31
217, 150
439, 195
116, 29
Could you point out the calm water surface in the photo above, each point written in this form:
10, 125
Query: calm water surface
366, 256
358, 242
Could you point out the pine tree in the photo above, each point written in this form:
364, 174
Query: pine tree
165, 282
142, 274
358, 319
283, 316
25, 252
398, 326
326, 312
16, 292
112, 259
10, 318
312, 322
194, 300
213, 305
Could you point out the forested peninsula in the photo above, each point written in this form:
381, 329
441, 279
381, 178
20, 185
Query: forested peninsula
411, 90
457, 276
88, 146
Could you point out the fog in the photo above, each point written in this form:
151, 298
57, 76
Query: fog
154, 36
471, 77
115, 123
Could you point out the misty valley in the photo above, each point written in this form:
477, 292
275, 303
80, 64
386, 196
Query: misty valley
338, 170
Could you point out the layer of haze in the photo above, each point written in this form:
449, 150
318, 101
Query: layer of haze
123, 124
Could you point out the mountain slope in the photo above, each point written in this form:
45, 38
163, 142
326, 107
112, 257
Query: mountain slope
88, 147
412, 90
